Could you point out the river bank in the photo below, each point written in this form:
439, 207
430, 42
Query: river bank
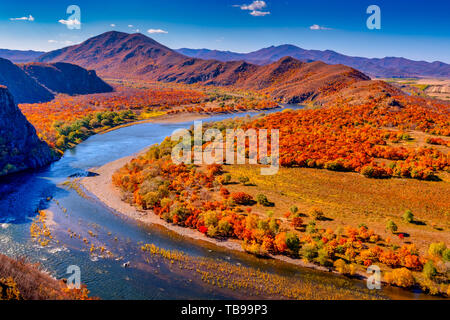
100, 187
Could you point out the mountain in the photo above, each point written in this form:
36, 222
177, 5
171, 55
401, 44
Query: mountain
66, 78
20, 147
118, 55
207, 54
115, 54
39, 82
19, 56
23, 87
377, 67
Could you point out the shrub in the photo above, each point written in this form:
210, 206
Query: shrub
262, 200
311, 227
150, 200
244, 180
297, 222
255, 248
429, 270
293, 209
391, 226
323, 258
280, 242
212, 231
274, 226
317, 214
437, 249
446, 255
210, 218
226, 178
408, 216
242, 198
341, 266
400, 277
224, 227
292, 242
309, 252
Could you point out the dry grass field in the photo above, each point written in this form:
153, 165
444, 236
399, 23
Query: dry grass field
351, 199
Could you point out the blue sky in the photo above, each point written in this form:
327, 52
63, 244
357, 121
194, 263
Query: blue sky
416, 29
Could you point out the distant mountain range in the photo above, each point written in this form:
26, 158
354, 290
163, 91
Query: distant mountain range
39, 82
122, 55
386, 67
19, 56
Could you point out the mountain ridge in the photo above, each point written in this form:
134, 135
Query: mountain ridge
375, 67
116, 54
20, 56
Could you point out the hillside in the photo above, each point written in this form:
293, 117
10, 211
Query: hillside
387, 67
20, 147
22, 86
20, 280
20, 56
119, 55
39, 82
66, 78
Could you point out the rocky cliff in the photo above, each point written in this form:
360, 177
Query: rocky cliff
20, 147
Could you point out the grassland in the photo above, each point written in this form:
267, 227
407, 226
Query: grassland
351, 199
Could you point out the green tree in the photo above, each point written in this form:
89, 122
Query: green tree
429, 270
391, 226
408, 216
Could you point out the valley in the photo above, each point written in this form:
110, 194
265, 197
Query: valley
363, 177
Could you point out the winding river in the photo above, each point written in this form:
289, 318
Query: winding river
21, 195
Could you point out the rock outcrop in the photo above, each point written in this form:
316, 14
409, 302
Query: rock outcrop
20, 147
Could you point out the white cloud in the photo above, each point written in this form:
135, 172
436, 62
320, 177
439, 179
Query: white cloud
254, 8
255, 5
130, 26
29, 18
71, 22
257, 13
317, 27
65, 42
112, 25
156, 31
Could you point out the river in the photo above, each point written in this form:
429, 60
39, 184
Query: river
25, 193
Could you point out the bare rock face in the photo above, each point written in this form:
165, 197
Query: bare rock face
20, 147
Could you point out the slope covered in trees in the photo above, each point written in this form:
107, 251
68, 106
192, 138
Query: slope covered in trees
20, 280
